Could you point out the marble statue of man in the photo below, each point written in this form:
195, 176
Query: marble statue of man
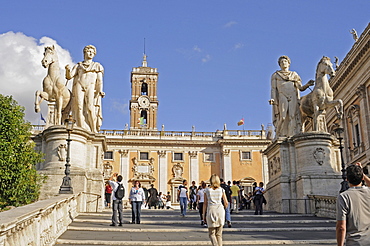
87, 91
285, 98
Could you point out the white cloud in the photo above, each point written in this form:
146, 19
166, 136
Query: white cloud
196, 48
230, 24
21, 73
207, 58
238, 46
118, 106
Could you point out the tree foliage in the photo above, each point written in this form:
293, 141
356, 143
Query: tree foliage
19, 181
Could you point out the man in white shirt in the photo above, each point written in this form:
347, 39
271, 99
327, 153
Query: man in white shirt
353, 209
117, 203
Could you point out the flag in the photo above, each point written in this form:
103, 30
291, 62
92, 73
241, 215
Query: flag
140, 121
42, 118
241, 122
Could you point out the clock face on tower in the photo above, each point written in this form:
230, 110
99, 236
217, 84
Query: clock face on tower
143, 101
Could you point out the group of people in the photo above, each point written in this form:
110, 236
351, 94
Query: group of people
157, 200
237, 200
138, 197
211, 202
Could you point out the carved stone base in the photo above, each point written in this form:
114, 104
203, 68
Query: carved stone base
303, 165
86, 159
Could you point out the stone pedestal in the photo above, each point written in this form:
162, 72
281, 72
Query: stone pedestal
86, 159
305, 164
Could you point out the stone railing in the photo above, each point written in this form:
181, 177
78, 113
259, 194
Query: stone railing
253, 134
39, 223
323, 206
226, 134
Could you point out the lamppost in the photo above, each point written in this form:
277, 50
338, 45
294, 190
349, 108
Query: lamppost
66, 187
338, 132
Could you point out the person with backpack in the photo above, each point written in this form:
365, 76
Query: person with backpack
137, 197
117, 196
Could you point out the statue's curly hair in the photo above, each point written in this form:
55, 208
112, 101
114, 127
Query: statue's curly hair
283, 57
89, 47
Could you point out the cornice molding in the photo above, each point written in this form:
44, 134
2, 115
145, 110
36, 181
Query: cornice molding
357, 52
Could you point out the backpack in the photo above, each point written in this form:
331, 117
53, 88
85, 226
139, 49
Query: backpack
120, 192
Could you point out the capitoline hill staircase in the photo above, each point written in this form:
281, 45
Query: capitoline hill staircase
167, 227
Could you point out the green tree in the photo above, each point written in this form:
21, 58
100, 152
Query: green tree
19, 181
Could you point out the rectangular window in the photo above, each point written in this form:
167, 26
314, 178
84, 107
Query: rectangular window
208, 157
246, 155
144, 155
178, 157
357, 136
108, 155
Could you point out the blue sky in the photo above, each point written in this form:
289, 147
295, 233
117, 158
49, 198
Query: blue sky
215, 58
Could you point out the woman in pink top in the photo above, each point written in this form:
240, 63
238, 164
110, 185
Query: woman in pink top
215, 218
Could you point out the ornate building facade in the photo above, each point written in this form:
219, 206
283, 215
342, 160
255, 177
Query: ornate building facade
165, 158
352, 85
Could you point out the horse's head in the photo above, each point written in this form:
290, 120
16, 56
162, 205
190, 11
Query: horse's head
326, 67
49, 56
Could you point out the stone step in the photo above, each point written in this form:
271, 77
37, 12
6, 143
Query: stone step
166, 227
143, 221
198, 243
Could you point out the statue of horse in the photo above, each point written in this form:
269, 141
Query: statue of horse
53, 88
321, 98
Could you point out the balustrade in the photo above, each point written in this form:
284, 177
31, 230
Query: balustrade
39, 223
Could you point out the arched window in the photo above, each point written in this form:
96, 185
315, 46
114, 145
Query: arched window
144, 116
144, 88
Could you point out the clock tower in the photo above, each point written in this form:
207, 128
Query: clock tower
144, 103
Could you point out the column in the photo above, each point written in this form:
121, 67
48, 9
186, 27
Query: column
124, 170
162, 171
194, 167
228, 175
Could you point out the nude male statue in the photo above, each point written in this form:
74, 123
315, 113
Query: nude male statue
285, 98
87, 90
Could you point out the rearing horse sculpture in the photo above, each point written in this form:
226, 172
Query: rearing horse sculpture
54, 89
321, 98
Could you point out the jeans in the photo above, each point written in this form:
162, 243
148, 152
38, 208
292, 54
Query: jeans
235, 201
201, 211
258, 203
227, 213
136, 211
117, 208
183, 205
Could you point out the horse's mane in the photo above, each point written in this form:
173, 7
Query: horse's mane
324, 58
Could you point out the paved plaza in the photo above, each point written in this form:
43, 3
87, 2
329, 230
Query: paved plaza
167, 227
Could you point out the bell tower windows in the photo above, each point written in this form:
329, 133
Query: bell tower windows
143, 103
144, 88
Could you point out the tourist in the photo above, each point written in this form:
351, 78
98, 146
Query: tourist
183, 197
115, 180
108, 194
193, 196
353, 209
137, 197
249, 198
153, 197
259, 199
168, 200
215, 218
228, 196
200, 202
160, 201
235, 197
